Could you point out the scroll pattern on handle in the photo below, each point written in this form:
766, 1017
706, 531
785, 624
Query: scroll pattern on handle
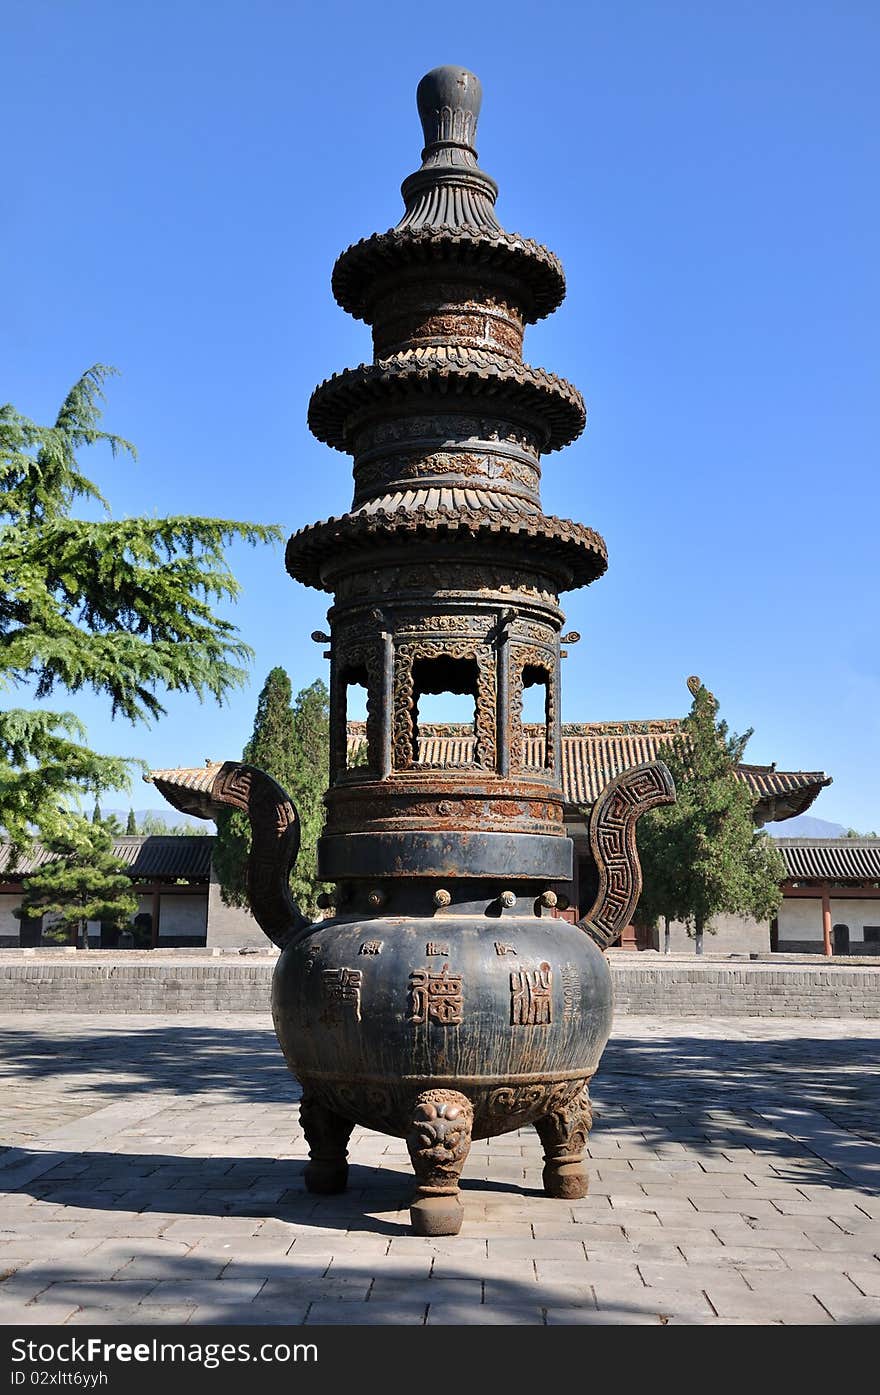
613, 845
275, 834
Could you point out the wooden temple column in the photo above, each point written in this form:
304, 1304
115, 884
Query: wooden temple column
827, 948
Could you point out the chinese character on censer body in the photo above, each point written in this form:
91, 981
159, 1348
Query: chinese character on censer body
342, 991
530, 1001
436, 996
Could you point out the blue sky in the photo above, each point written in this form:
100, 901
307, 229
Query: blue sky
179, 179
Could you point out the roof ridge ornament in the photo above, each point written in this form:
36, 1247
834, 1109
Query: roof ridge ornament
449, 190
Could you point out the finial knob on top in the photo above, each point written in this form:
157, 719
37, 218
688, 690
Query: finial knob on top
449, 100
450, 190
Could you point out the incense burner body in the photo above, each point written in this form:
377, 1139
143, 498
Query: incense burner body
511, 1010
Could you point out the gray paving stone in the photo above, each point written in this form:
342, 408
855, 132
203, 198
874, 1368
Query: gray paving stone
170, 1266
655, 1303
717, 1182
607, 1317
789, 1307
351, 1289
459, 1314
196, 1292
90, 1294
736, 1206
663, 1276
254, 1314
367, 1314
455, 1246
845, 1307
47, 1314
466, 1290
586, 1272
723, 1257
143, 1313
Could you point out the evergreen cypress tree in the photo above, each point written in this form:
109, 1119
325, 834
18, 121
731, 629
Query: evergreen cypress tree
291, 743
84, 882
131, 824
311, 725
121, 607
702, 856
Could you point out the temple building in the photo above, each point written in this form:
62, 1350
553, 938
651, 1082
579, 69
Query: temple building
172, 877
831, 897
592, 754
831, 894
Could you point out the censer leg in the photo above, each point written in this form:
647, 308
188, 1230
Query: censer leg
564, 1135
327, 1135
439, 1141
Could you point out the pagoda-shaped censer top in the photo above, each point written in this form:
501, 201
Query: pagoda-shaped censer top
446, 571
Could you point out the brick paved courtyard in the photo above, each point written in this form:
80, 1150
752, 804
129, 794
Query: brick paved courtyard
153, 1173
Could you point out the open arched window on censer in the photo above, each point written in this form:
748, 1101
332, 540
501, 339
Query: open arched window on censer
450, 678
354, 708
535, 686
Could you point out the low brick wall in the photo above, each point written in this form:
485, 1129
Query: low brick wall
679, 988
158, 985
100, 982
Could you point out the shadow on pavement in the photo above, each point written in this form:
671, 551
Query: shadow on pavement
673, 1094
315, 1289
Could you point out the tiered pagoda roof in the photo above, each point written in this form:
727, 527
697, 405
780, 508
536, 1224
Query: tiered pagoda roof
447, 293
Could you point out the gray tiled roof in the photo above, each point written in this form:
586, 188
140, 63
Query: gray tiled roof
594, 752
147, 856
831, 859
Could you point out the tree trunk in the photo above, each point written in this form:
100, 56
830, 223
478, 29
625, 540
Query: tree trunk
666, 934
698, 938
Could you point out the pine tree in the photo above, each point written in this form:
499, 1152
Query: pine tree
702, 856
131, 824
84, 881
291, 743
119, 607
96, 813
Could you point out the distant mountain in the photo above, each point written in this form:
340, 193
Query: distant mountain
805, 826
177, 823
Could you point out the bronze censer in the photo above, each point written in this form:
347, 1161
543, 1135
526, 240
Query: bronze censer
444, 1000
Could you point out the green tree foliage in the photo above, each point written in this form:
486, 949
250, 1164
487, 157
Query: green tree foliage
290, 741
702, 856
131, 827
311, 726
123, 608
84, 881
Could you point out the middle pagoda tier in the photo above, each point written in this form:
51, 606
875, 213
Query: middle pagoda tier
446, 572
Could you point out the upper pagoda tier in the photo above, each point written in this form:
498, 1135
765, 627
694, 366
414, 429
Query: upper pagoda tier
447, 424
